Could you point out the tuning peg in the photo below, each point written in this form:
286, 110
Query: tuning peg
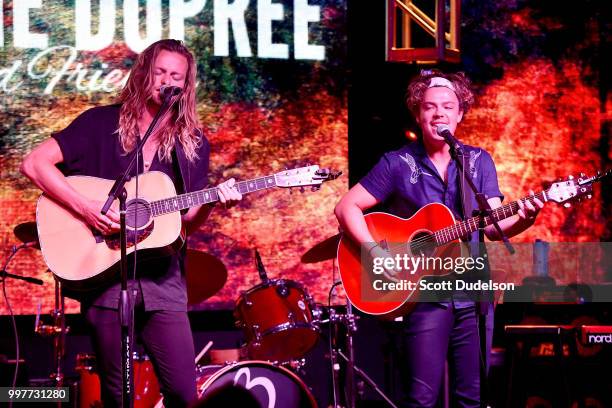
302, 189
582, 175
315, 188
589, 196
570, 177
567, 205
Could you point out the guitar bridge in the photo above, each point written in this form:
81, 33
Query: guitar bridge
138, 235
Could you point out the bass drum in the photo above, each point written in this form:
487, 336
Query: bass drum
251, 384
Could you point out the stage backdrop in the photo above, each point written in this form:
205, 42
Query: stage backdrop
272, 95
542, 109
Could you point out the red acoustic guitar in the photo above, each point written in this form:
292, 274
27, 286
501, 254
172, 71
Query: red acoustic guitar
431, 232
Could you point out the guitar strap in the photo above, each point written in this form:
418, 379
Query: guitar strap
180, 184
465, 192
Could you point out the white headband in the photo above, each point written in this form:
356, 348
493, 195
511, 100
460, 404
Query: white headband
439, 81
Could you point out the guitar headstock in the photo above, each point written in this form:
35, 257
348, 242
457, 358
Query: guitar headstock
305, 176
572, 189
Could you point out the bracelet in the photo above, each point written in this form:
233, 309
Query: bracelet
372, 247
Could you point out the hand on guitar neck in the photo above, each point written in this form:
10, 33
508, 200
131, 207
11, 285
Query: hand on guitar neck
527, 210
228, 193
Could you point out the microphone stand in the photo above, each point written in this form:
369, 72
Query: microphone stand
118, 192
484, 210
350, 367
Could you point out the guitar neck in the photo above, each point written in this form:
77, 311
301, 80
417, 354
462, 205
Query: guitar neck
464, 228
209, 195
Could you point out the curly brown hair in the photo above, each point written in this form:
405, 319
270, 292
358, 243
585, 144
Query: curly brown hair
184, 124
420, 84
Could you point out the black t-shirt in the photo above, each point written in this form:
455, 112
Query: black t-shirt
90, 146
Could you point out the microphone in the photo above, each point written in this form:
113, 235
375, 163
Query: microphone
444, 131
167, 91
260, 268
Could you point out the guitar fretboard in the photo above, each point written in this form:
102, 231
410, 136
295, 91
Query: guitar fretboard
464, 228
209, 195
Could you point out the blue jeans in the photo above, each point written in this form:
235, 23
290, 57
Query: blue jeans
436, 332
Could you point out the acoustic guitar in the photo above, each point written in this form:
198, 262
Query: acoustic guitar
432, 232
82, 258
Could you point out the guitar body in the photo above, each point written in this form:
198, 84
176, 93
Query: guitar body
392, 230
83, 259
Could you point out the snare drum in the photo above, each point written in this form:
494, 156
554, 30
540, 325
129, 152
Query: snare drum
277, 320
146, 387
252, 384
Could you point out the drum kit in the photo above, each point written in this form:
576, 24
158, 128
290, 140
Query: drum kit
280, 321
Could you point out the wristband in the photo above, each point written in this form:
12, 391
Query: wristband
372, 247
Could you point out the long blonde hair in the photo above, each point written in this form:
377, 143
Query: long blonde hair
137, 93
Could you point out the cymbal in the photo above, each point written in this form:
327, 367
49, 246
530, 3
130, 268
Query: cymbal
205, 275
323, 251
26, 232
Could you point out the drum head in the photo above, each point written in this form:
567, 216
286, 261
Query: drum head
252, 384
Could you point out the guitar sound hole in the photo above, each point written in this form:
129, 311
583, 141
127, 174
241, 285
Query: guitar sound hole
422, 243
138, 213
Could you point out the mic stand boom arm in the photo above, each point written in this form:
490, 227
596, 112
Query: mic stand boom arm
483, 205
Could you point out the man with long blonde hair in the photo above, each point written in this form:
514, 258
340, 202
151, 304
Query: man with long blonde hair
100, 142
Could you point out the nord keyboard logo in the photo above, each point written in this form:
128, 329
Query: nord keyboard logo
600, 338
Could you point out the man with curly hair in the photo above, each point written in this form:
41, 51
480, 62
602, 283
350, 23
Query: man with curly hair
100, 142
407, 179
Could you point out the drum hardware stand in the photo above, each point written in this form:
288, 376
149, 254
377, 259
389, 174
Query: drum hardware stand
296, 365
349, 320
263, 276
4, 274
58, 330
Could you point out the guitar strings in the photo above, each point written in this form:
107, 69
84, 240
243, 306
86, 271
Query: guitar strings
426, 240
438, 238
241, 185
